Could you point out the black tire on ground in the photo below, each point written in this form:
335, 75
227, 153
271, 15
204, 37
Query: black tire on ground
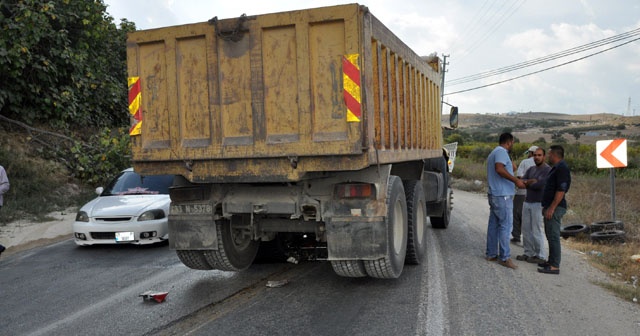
194, 259
416, 222
443, 222
607, 226
390, 267
236, 250
609, 236
573, 230
349, 268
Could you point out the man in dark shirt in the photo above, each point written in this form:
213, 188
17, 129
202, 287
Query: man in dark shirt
554, 206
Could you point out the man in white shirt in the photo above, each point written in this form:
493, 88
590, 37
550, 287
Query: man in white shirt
518, 199
4, 187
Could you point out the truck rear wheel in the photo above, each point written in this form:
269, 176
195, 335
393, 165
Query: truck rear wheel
194, 259
236, 250
349, 268
417, 222
443, 222
390, 267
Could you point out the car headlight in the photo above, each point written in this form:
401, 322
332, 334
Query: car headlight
82, 217
151, 214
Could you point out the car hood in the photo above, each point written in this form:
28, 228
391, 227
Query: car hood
126, 205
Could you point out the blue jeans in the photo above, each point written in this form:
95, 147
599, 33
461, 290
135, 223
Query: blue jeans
500, 226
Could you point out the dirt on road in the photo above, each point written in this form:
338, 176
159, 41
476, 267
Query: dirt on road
23, 235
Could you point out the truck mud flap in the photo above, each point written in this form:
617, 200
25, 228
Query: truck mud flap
189, 234
356, 238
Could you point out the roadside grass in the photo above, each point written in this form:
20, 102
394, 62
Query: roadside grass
469, 175
589, 201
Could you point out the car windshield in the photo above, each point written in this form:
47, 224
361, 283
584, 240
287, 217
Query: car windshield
130, 183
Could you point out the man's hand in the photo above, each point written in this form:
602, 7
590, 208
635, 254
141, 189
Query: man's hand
520, 184
548, 213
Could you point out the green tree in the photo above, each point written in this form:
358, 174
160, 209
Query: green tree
541, 142
62, 62
456, 137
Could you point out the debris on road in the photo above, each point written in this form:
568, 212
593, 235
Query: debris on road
152, 295
636, 258
596, 253
277, 283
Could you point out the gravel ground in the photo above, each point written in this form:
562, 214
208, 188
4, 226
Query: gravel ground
23, 235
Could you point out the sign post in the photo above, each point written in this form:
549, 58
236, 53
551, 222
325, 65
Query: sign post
612, 154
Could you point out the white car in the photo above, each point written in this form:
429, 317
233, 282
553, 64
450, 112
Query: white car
132, 209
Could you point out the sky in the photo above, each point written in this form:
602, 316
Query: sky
479, 36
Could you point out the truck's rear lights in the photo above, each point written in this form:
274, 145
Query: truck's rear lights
356, 190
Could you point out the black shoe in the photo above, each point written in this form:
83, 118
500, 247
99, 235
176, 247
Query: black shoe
548, 270
2, 248
515, 240
544, 264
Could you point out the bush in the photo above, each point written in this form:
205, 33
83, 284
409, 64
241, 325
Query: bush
103, 156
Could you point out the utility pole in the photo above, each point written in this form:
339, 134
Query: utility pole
444, 71
629, 107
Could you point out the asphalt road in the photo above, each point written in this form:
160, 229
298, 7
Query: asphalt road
62, 289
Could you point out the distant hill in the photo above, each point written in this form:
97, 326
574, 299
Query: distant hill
531, 126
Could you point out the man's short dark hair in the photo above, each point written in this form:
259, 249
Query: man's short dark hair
557, 150
505, 137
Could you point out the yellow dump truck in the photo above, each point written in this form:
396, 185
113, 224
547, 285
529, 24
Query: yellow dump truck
309, 134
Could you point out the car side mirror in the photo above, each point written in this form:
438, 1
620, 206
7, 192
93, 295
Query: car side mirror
99, 190
453, 117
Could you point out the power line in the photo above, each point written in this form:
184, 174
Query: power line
544, 59
505, 16
467, 31
542, 70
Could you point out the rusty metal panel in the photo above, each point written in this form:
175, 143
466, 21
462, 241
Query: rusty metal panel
407, 100
154, 72
326, 41
281, 115
193, 93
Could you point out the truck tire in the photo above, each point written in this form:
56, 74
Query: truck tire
349, 268
236, 251
416, 222
194, 259
390, 267
608, 236
573, 230
606, 226
443, 222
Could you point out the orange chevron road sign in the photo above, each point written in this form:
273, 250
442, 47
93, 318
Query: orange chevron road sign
611, 153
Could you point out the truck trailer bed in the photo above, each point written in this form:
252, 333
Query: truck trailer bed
280, 97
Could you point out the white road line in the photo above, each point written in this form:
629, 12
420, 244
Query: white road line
433, 309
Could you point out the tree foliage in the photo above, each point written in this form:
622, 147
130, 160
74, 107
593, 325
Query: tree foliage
62, 62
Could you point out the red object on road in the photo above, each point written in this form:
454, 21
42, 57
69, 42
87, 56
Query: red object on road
151, 295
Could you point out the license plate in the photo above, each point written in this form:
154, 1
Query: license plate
125, 236
191, 209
